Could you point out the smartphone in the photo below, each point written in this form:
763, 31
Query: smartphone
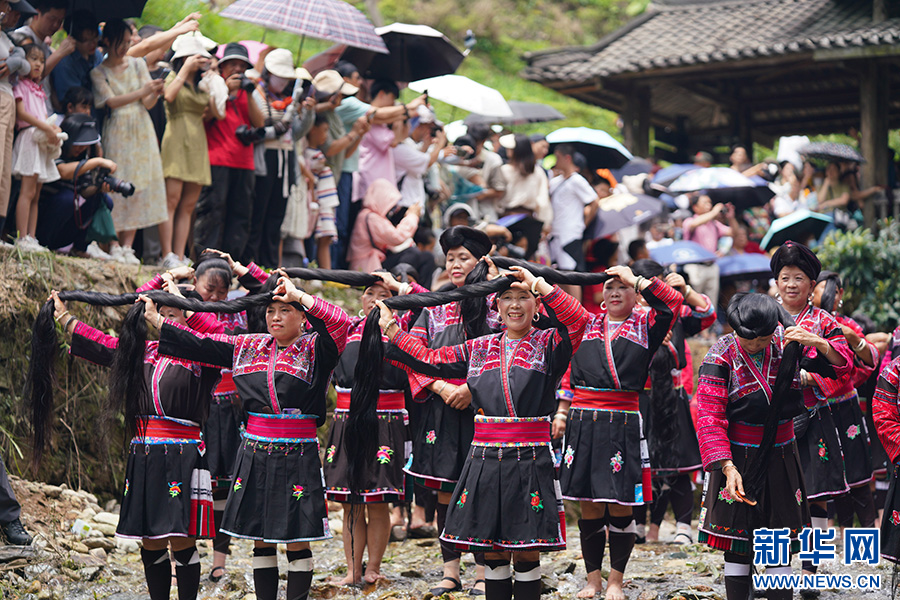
426, 97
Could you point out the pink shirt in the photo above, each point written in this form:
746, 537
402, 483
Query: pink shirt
33, 100
707, 235
376, 160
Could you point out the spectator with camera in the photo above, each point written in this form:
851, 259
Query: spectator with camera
122, 84
75, 68
222, 218
490, 175
184, 152
420, 141
69, 205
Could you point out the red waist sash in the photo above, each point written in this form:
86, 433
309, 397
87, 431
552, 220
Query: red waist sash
167, 429
386, 401
226, 384
751, 435
605, 399
285, 426
506, 431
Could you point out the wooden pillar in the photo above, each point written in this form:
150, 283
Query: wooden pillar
873, 121
641, 145
745, 129
629, 131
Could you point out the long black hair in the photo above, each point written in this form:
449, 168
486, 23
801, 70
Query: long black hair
664, 431
829, 294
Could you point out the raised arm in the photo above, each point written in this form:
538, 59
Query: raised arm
93, 345
665, 302
885, 412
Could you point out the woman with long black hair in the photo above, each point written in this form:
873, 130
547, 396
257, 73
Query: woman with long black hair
796, 268
748, 394
512, 506
277, 495
167, 500
367, 521
844, 403
605, 466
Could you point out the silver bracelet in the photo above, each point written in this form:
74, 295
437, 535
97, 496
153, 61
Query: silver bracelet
861, 345
442, 388
535, 283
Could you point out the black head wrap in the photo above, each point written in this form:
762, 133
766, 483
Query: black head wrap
475, 241
753, 315
832, 285
647, 267
797, 255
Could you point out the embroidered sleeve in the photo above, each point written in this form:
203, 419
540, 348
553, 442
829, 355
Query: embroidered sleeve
570, 313
410, 354
154, 284
665, 302
254, 271
93, 345
254, 279
695, 319
203, 322
862, 371
565, 387
336, 320
885, 412
712, 401
207, 349
417, 381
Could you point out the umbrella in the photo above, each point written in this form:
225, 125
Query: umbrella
333, 20
324, 60
253, 47
797, 226
523, 112
599, 148
106, 10
622, 210
635, 166
681, 253
831, 151
667, 175
724, 185
750, 265
462, 92
416, 52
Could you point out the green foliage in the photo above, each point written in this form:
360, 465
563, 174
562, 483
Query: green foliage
868, 263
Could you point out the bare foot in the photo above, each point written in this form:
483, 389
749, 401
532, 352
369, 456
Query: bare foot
653, 533
372, 576
588, 591
614, 586
348, 580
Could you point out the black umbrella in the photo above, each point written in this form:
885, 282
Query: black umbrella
831, 151
523, 112
635, 166
623, 210
416, 52
107, 10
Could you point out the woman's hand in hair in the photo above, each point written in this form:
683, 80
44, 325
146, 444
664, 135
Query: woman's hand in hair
796, 333
59, 307
532, 283
624, 274
387, 321
172, 288
389, 281
223, 255
181, 272
286, 291
493, 271
154, 319
459, 397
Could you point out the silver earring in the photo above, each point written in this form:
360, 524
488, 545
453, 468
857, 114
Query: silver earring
840, 304
536, 317
362, 315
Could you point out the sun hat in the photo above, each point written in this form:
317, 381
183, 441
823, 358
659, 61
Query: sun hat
235, 51
330, 82
280, 62
189, 46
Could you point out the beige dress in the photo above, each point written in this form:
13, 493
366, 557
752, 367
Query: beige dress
184, 152
130, 141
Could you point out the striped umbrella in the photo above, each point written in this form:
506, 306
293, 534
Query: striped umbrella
333, 20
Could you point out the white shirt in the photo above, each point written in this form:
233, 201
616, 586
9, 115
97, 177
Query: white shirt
411, 164
568, 197
5, 46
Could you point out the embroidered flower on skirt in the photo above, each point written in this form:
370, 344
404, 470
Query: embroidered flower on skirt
536, 503
174, 488
724, 495
823, 450
895, 518
569, 457
853, 431
798, 496
126, 488
237, 484
430, 437
298, 492
329, 454
384, 454
462, 498
616, 462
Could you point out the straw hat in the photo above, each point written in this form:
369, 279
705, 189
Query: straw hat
189, 46
330, 82
280, 62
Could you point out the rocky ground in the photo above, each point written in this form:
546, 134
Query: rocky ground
93, 564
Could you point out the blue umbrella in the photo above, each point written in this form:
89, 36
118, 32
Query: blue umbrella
750, 265
681, 253
601, 149
618, 211
797, 226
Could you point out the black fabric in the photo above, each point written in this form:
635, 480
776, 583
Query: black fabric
222, 434
821, 457
298, 582
448, 554
187, 573
222, 216
475, 241
498, 589
575, 249
526, 590
737, 588
265, 580
158, 571
269, 206
222, 541
9, 506
792, 254
851, 427
593, 542
890, 532
620, 544
421, 260
679, 492
57, 225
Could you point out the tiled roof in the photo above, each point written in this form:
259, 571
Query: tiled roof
669, 35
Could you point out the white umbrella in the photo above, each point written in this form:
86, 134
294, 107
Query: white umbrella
462, 92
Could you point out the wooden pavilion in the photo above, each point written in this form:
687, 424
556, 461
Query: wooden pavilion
707, 73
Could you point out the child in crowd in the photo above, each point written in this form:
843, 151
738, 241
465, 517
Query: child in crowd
326, 191
32, 158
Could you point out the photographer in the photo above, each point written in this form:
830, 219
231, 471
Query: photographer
420, 141
222, 218
69, 205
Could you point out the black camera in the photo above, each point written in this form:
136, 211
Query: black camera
247, 84
249, 135
90, 183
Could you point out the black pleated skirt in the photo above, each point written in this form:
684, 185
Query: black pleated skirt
684, 455
222, 434
278, 493
854, 436
890, 522
385, 479
604, 458
441, 443
728, 525
167, 492
821, 457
